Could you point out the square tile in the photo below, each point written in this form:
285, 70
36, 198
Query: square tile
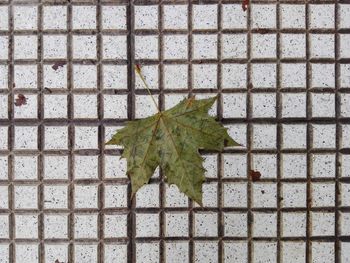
26, 226
293, 224
147, 252
294, 136
55, 106
56, 251
84, 77
4, 43
233, 76
205, 251
264, 105
344, 46
322, 75
344, 76
25, 47
114, 47
55, 46
28, 110
293, 45
345, 105
144, 106
25, 17
235, 165
4, 227
264, 46
235, 224
175, 16
323, 136
235, 195
175, 76
26, 137
323, 194
344, 12
84, 46
115, 106
86, 137
115, 167
115, 226
114, 77
116, 196
56, 226
4, 108
265, 224
264, 136
56, 138
323, 165
322, 224
3, 138
294, 195
293, 105
292, 16
4, 168
55, 17
322, 46
176, 224
322, 16
84, 17
25, 167
205, 46
263, 16
233, 17
345, 255
204, 76
175, 46
114, 17
293, 75
236, 252
4, 202
56, 196
345, 140
234, 46
264, 75
85, 226
204, 16
115, 252
176, 251
345, 224
174, 198
322, 252
146, 47
86, 196
293, 252
85, 167
148, 196
147, 225
54, 79
264, 195
4, 25
323, 105
25, 76
345, 191
146, 17
82, 252
266, 164
265, 251
27, 252
55, 167
234, 105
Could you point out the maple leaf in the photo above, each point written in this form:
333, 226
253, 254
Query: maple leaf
171, 139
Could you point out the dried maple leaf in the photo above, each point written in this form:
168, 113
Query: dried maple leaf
171, 139
20, 100
58, 64
255, 175
245, 4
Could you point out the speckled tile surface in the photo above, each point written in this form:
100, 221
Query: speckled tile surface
282, 73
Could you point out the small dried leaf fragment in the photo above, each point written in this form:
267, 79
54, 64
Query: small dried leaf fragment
58, 64
245, 4
171, 139
255, 175
20, 100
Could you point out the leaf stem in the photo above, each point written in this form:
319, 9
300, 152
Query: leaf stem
138, 71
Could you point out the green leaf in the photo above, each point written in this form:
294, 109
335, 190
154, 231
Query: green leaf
171, 139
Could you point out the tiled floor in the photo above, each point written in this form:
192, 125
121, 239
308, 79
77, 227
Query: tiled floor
282, 70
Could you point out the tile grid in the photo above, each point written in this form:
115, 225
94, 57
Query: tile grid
131, 113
